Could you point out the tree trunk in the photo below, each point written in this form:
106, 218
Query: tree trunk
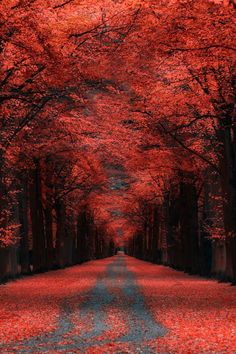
227, 137
60, 234
189, 225
82, 237
205, 241
24, 229
37, 220
48, 213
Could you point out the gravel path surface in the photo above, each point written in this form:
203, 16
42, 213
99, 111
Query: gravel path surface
89, 327
117, 305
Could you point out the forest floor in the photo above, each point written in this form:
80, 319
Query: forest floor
117, 305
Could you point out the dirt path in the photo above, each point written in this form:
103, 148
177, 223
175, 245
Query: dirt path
118, 305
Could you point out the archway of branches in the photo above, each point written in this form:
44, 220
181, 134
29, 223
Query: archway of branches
118, 132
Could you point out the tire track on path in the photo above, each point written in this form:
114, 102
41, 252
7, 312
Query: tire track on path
116, 290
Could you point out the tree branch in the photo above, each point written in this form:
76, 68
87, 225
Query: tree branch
63, 4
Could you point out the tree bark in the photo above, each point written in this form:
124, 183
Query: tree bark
37, 220
24, 229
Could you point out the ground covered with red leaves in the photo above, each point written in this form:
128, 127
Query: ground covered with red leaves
31, 306
200, 314
117, 305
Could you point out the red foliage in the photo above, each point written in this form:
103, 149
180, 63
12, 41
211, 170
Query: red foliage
30, 306
199, 313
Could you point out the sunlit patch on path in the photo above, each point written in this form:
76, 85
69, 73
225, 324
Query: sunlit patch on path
115, 292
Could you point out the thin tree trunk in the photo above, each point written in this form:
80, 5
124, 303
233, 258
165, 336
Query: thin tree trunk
24, 229
37, 220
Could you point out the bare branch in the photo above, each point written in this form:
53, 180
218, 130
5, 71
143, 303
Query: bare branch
63, 4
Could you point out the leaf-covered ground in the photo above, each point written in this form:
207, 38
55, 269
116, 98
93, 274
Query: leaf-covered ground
117, 305
200, 314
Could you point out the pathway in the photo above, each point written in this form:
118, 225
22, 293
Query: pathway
127, 306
